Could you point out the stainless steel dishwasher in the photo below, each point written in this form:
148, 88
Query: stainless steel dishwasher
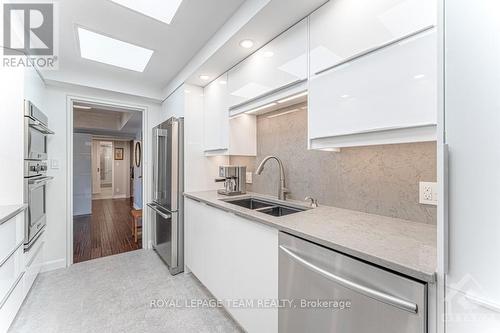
332, 292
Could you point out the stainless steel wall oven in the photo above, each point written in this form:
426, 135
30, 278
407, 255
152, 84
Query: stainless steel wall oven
36, 134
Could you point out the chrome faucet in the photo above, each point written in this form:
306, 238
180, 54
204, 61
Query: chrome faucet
282, 190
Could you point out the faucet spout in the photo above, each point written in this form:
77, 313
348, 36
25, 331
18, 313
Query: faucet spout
282, 190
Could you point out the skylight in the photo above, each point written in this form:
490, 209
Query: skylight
161, 10
107, 50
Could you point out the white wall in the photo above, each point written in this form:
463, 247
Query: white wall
121, 171
57, 215
82, 174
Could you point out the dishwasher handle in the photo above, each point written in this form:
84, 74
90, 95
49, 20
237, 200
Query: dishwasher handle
367, 291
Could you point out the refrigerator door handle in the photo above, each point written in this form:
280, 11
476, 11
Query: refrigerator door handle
175, 166
175, 235
159, 212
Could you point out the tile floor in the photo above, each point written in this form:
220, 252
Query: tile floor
114, 294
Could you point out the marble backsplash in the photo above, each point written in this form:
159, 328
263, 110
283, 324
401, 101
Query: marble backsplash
380, 180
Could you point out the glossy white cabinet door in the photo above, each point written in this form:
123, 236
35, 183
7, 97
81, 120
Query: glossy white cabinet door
392, 88
11, 235
279, 63
216, 115
342, 29
224, 135
33, 261
194, 238
255, 273
11, 271
236, 259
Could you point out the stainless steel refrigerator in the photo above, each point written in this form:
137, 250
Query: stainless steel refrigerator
168, 188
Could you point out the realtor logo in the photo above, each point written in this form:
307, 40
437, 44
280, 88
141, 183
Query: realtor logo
29, 34
29, 28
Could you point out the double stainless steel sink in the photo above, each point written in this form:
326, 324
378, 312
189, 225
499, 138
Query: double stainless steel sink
274, 208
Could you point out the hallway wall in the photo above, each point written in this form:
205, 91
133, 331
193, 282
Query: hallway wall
121, 171
82, 174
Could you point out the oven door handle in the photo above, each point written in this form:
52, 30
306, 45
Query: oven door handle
40, 181
40, 127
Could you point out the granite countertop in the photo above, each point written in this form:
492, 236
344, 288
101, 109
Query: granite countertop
8, 212
399, 245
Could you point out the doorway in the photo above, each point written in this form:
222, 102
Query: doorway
107, 193
102, 170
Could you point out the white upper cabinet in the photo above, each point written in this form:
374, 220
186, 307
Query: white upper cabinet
216, 115
280, 63
388, 96
343, 29
224, 135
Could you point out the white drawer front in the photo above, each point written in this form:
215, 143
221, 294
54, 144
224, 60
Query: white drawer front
10, 271
11, 235
9, 309
34, 260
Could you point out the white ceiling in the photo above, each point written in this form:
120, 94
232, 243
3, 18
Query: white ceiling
276, 17
194, 24
107, 121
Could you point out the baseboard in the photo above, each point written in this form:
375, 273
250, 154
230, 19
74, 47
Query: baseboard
121, 196
53, 265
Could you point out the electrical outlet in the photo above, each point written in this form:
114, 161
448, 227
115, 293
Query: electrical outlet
428, 193
249, 178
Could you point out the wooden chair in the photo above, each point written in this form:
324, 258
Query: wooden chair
136, 223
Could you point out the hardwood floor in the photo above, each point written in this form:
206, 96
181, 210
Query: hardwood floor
106, 232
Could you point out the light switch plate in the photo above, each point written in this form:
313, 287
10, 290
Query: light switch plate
428, 193
249, 178
54, 164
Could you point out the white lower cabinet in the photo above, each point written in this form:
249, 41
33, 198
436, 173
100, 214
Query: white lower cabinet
11, 305
237, 260
12, 269
34, 260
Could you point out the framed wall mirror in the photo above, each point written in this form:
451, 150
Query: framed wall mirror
137, 154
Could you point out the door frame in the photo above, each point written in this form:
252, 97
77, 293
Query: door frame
98, 140
146, 222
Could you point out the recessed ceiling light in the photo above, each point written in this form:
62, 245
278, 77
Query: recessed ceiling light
419, 76
82, 107
268, 54
205, 77
291, 98
262, 107
246, 43
345, 96
107, 50
223, 82
161, 10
